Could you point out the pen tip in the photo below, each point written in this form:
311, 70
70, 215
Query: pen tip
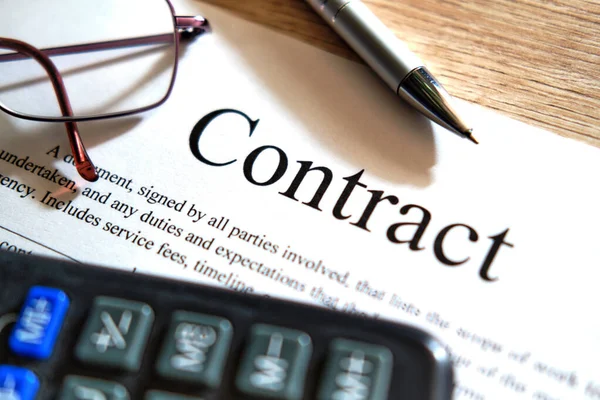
469, 135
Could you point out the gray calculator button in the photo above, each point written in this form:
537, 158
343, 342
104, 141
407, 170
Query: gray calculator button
80, 388
274, 363
356, 370
158, 395
195, 349
115, 333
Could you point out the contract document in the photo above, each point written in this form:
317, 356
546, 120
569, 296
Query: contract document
278, 169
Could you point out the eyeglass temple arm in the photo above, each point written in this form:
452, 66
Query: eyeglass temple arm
84, 165
188, 28
191, 26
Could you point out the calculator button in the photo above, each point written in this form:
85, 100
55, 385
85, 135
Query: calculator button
39, 323
157, 395
195, 349
115, 333
274, 363
80, 388
18, 383
356, 370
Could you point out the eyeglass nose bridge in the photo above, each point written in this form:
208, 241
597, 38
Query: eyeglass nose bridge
192, 25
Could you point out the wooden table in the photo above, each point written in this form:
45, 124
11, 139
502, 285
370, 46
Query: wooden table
537, 61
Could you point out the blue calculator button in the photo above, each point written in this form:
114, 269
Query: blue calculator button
39, 323
18, 383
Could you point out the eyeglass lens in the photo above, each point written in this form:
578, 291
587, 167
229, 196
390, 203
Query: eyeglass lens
113, 55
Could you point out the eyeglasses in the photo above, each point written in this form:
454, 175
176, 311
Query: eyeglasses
53, 47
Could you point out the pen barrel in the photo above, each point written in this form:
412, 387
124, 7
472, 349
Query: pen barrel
387, 55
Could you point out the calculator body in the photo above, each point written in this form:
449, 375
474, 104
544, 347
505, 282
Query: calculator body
201, 342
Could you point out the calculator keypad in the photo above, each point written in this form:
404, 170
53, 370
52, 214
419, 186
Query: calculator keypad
106, 335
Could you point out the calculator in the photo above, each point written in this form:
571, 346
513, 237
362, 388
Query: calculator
77, 332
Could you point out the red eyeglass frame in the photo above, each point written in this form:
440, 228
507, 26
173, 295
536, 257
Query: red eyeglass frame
185, 27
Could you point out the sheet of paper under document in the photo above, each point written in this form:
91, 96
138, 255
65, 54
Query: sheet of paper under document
276, 168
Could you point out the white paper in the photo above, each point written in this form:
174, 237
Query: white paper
530, 331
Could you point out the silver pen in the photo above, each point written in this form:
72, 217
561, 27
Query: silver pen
391, 59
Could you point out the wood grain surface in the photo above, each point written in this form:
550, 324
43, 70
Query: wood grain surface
537, 61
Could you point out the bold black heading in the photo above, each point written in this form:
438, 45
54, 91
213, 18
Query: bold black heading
396, 233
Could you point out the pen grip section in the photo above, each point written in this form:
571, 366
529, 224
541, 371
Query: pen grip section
387, 55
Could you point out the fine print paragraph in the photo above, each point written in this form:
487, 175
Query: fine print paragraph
207, 243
